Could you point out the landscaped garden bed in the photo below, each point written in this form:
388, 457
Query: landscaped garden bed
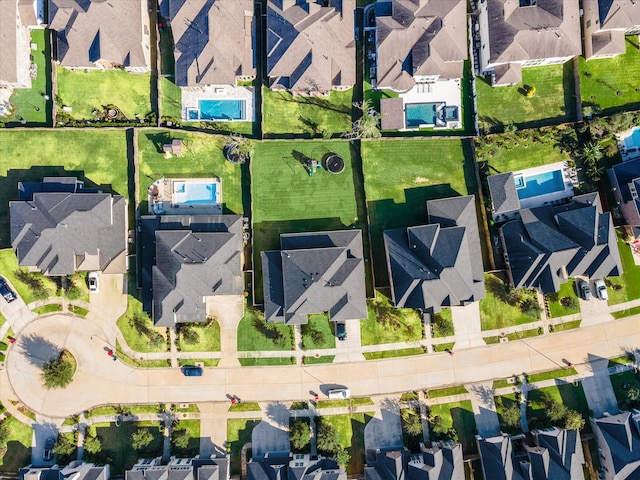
564, 302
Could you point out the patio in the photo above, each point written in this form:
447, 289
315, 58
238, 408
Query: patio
192, 95
170, 196
569, 178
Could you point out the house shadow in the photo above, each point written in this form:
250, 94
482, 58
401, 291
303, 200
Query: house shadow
267, 438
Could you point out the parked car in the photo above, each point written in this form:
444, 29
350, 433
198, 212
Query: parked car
93, 281
339, 393
601, 290
584, 290
6, 293
192, 371
341, 330
47, 456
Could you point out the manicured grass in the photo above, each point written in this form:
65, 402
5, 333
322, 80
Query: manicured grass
446, 392
503, 383
202, 157
76, 310
98, 157
2, 320
622, 360
238, 434
16, 451
553, 102
350, 435
103, 410
171, 98
286, 199
85, 91
51, 308
559, 373
402, 352
496, 313
245, 407
502, 402
400, 177
534, 332
208, 338
602, 79
442, 323
284, 113
556, 309
627, 380
629, 280
193, 448
252, 339
318, 323
561, 327
568, 394
320, 359
409, 397
387, 324
135, 340
29, 103
138, 362
352, 402
626, 313
459, 415
8, 269
207, 362
443, 347
267, 362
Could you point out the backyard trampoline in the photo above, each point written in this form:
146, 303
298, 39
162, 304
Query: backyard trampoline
333, 163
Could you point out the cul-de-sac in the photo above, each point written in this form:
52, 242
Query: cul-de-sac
320, 239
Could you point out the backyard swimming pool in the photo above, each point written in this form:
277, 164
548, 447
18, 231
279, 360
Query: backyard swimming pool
195, 193
633, 140
539, 184
220, 110
417, 114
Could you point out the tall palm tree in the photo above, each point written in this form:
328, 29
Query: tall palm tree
591, 153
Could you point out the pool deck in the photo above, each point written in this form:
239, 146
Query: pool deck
443, 91
570, 179
627, 152
161, 201
191, 95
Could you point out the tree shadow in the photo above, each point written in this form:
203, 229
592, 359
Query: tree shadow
278, 413
483, 392
38, 349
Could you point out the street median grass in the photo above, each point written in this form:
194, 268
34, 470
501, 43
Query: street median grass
245, 407
447, 391
139, 362
267, 362
51, 308
559, 373
312, 360
401, 352
561, 327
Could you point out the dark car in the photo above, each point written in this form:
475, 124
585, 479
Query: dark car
5, 292
192, 371
341, 331
47, 456
585, 291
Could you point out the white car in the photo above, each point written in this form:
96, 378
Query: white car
601, 290
93, 281
339, 394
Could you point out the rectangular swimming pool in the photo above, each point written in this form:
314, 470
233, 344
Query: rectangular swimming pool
194, 193
539, 184
417, 114
226, 109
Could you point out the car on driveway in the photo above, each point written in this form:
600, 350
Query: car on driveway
93, 281
192, 371
601, 290
6, 293
584, 290
341, 330
47, 456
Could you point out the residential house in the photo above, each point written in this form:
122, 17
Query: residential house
294, 466
515, 34
315, 273
214, 41
190, 263
544, 246
625, 182
549, 454
59, 227
605, 24
440, 264
101, 34
440, 461
618, 439
504, 195
311, 48
208, 468
75, 470
17, 18
420, 42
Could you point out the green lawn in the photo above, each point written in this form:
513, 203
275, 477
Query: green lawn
350, 433
559, 373
238, 434
459, 415
629, 280
442, 323
85, 91
98, 157
387, 324
401, 352
626, 313
253, 337
622, 360
495, 312
502, 402
171, 98
9, 267
556, 309
267, 362
627, 380
136, 341
284, 113
571, 396
401, 175
16, 451
208, 338
446, 392
311, 340
561, 327
193, 448
286, 199
29, 103
137, 362
553, 102
203, 157
51, 308
245, 407
602, 79
320, 359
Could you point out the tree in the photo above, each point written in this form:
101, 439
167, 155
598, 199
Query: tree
367, 125
72, 292
411, 422
633, 394
573, 420
189, 335
342, 457
238, 149
299, 435
594, 172
141, 438
511, 415
92, 444
591, 153
58, 373
63, 446
556, 411
438, 425
4, 432
569, 303
180, 438
327, 438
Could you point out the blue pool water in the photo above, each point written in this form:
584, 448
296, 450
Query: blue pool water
195, 193
540, 184
633, 140
221, 109
417, 114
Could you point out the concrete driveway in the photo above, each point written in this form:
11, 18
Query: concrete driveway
484, 409
16, 312
594, 311
272, 433
348, 350
385, 429
597, 387
467, 326
41, 431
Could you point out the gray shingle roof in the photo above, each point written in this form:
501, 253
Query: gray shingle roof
213, 40
498, 461
438, 462
619, 439
285, 467
437, 265
310, 47
557, 455
315, 273
622, 14
424, 37
116, 31
576, 236
503, 193
392, 110
60, 233
627, 174
196, 257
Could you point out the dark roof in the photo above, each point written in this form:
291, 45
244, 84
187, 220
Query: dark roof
80, 471
437, 265
196, 256
442, 461
314, 273
627, 175
576, 237
619, 439
290, 467
503, 192
498, 461
59, 233
557, 454
392, 110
